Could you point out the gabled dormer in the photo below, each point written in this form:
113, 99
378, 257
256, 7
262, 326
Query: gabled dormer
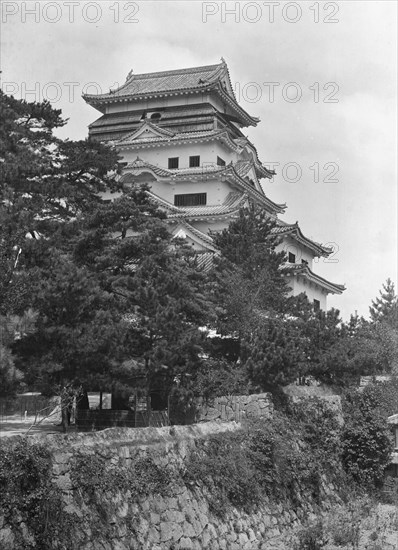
147, 130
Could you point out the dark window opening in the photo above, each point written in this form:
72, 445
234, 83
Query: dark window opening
155, 116
173, 162
158, 401
190, 199
220, 161
194, 162
292, 258
317, 305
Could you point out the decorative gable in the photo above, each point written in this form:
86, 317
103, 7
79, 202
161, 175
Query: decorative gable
147, 130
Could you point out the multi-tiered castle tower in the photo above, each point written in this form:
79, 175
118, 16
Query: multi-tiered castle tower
181, 132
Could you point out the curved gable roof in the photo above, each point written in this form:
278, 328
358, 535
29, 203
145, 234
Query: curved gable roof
193, 79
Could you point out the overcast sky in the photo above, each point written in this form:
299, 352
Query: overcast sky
328, 119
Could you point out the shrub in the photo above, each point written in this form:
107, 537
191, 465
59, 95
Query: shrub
277, 458
345, 522
147, 478
95, 475
311, 536
366, 440
221, 465
27, 492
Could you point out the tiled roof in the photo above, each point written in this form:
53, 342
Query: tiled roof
180, 81
199, 170
183, 111
261, 170
138, 165
168, 81
242, 167
126, 117
176, 138
205, 239
305, 271
203, 172
178, 119
294, 230
271, 206
232, 203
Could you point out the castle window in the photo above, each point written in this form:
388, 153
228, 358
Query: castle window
317, 305
194, 162
292, 258
220, 161
155, 116
190, 199
173, 162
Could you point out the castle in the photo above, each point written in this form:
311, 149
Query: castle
180, 132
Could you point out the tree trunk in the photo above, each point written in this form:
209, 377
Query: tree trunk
64, 416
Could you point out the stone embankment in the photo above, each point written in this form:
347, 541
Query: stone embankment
105, 510
115, 519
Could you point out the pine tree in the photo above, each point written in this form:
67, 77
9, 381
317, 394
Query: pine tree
384, 307
272, 354
49, 187
248, 282
251, 301
115, 297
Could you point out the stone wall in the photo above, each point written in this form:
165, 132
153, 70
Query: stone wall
236, 408
299, 394
182, 520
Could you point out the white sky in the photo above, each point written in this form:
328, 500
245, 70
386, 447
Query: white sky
56, 51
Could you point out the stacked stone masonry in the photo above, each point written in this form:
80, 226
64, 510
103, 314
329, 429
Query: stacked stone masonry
182, 521
236, 408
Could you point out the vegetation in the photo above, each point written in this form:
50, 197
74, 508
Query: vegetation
95, 294
360, 523
282, 459
29, 496
366, 438
234, 470
95, 476
293, 458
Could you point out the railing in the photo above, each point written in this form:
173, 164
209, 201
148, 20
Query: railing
89, 420
33, 405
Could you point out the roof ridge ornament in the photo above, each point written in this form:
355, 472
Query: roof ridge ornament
130, 75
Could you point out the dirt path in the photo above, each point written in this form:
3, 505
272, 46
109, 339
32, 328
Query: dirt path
13, 425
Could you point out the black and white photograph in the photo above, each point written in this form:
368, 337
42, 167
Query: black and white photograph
198, 275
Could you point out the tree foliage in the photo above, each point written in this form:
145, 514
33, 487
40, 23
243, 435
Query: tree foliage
384, 307
367, 444
115, 299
